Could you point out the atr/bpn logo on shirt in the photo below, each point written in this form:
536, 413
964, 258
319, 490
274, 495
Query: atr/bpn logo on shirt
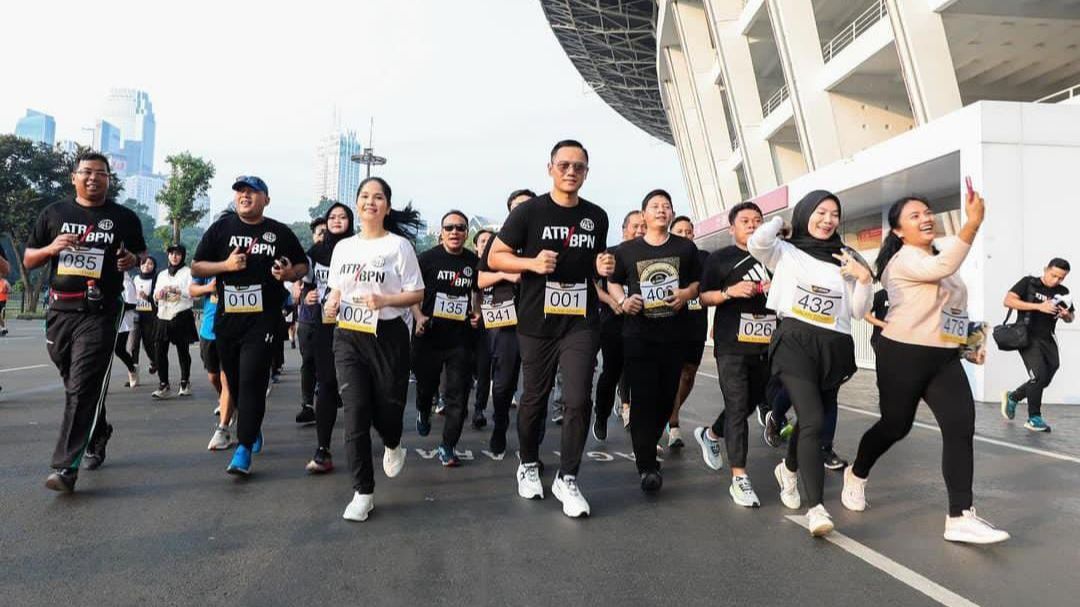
570, 237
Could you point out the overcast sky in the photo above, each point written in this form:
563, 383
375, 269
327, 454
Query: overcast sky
468, 96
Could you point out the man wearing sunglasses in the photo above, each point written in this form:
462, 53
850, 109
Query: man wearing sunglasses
88, 242
444, 325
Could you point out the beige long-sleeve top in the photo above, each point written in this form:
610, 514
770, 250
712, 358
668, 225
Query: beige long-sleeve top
927, 301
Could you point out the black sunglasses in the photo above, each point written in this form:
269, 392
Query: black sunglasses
456, 227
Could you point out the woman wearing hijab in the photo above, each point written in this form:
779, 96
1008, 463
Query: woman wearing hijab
176, 322
818, 288
144, 329
339, 226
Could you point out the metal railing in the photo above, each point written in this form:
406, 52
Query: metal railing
860, 24
774, 102
1058, 97
734, 142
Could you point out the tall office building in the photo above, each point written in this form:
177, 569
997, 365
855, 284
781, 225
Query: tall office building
107, 138
336, 175
130, 111
37, 126
144, 188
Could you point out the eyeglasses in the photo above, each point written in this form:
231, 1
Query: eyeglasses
564, 167
456, 227
86, 173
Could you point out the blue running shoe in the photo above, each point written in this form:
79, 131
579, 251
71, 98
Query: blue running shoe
257, 445
423, 424
241, 461
447, 457
1035, 423
1008, 405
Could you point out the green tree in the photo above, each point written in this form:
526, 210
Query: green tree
302, 229
154, 244
320, 208
189, 180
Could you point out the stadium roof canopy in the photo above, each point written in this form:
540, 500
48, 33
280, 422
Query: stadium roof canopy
612, 43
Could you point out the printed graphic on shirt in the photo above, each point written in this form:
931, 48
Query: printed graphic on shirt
658, 278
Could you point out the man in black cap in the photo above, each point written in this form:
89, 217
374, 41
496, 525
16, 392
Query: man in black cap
88, 242
251, 255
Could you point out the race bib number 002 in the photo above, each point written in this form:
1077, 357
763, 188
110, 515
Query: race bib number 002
954, 326
246, 299
565, 299
818, 305
355, 316
81, 262
499, 315
451, 307
756, 328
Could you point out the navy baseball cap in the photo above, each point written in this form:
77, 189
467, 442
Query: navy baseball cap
252, 182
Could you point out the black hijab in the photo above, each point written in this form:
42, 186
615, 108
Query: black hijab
182, 250
152, 274
320, 252
822, 250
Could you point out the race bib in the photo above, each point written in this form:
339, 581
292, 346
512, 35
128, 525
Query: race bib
565, 299
81, 261
756, 328
954, 326
654, 294
499, 315
246, 299
451, 307
694, 305
143, 305
818, 305
355, 316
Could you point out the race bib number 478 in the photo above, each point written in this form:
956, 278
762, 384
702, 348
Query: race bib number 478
81, 262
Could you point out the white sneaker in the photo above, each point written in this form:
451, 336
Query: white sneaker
742, 492
162, 393
674, 439
358, 509
853, 497
566, 490
221, 440
971, 529
185, 389
528, 479
133, 378
789, 486
393, 460
710, 449
819, 521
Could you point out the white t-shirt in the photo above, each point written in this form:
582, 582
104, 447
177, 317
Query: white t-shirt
807, 288
178, 298
384, 266
143, 304
127, 322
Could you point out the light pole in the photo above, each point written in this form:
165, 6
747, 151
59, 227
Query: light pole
368, 157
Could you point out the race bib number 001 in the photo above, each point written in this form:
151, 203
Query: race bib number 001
246, 299
954, 326
756, 328
565, 299
355, 316
818, 305
451, 307
81, 262
499, 315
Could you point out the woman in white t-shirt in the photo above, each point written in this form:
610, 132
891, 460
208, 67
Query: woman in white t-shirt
176, 321
374, 278
818, 289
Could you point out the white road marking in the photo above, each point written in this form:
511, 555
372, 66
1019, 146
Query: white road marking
913, 579
22, 368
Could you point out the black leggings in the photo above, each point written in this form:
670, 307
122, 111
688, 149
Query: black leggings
428, 363
804, 449
183, 354
305, 334
654, 369
327, 400
907, 374
1042, 361
121, 351
505, 366
483, 370
143, 333
611, 348
245, 360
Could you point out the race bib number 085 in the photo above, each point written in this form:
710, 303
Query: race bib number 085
818, 305
355, 316
246, 299
81, 262
565, 299
451, 307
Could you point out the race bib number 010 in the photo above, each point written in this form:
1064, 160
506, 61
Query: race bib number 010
246, 299
451, 307
954, 326
756, 328
818, 305
355, 316
81, 262
499, 315
565, 299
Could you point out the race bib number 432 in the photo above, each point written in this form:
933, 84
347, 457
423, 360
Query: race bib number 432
818, 305
81, 262
247, 299
565, 299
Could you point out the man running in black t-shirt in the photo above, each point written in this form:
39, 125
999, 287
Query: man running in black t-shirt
251, 255
88, 242
1044, 300
555, 242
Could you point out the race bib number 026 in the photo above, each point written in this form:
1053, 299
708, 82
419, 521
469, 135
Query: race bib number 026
451, 307
246, 299
818, 305
756, 328
355, 316
499, 315
565, 299
81, 262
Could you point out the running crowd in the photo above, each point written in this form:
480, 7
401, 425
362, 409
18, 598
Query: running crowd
539, 298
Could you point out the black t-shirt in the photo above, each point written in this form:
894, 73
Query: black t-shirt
880, 309
697, 314
102, 230
553, 305
238, 291
1032, 290
610, 322
498, 293
448, 286
652, 272
726, 267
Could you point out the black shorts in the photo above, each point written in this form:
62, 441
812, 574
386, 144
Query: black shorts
3, 307
209, 353
693, 351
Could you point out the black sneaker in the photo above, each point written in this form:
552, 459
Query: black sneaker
95, 453
306, 415
762, 412
834, 461
651, 481
558, 417
599, 428
497, 444
772, 430
479, 422
62, 480
423, 423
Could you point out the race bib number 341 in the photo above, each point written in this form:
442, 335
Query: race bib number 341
81, 262
565, 299
243, 299
499, 315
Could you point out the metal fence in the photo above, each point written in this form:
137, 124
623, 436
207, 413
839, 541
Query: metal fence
774, 102
860, 24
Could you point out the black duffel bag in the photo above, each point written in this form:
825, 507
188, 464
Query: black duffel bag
1012, 336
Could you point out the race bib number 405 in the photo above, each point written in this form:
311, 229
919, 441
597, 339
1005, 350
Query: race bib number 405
355, 316
81, 262
246, 299
818, 305
655, 294
451, 307
499, 315
954, 326
565, 299
756, 328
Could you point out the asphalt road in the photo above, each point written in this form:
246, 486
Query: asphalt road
162, 524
